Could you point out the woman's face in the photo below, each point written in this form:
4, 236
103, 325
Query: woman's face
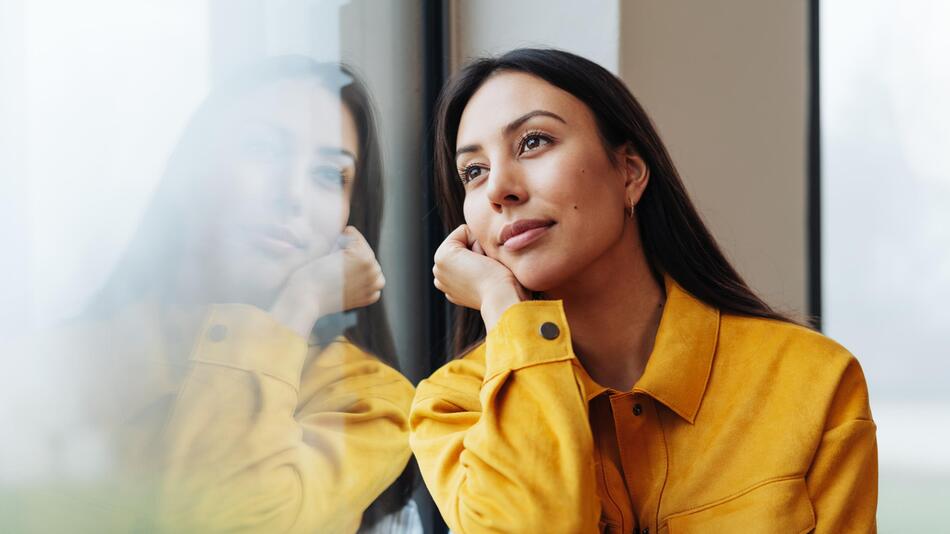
542, 196
280, 185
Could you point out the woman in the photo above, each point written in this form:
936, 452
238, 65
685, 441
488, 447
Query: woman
630, 381
240, 361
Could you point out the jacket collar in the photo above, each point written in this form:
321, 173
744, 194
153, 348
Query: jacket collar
679, 366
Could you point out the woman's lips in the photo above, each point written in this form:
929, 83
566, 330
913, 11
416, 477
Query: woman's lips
521, 233
276, 239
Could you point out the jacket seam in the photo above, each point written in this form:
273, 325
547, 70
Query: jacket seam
666, 473
735, 495
603, 476
494, 375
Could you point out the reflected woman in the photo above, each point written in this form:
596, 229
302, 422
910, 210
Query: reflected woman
630, 380
240, 350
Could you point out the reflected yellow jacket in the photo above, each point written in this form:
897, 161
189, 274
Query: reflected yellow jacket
737, 424
223, 420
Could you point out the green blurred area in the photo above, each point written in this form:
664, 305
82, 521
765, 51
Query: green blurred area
72, 508
913, 503
906, 503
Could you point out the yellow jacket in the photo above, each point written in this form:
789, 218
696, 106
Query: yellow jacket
737, 425
223, 420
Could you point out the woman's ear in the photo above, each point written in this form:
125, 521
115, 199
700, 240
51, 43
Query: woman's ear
636, 173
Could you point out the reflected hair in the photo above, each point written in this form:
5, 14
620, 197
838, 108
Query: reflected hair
675, 239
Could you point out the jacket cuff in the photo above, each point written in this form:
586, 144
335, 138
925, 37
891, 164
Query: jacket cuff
528, 333
248, 338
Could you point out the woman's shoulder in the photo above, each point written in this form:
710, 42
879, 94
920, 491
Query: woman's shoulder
779, 338
781, 352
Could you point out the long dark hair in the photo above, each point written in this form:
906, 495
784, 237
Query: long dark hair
158, 243
675, 239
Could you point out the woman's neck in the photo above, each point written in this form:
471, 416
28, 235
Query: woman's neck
614, 308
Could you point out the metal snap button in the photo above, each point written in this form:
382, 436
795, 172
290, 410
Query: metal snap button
550, 331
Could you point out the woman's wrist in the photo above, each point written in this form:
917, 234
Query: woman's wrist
297, 316
496, 302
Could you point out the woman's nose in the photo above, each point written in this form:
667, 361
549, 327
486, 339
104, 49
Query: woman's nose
506, 186
292, 189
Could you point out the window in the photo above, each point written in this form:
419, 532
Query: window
885, 234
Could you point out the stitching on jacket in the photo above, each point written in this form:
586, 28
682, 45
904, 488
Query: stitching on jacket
666, 473
525, 366
736, 495
603, 476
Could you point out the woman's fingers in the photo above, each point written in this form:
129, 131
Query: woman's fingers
458, 240
463, 272
459, 235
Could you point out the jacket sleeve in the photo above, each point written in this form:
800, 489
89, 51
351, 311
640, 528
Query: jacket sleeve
842, 479
258, 442
503, 442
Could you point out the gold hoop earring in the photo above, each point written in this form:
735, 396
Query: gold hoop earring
631, 212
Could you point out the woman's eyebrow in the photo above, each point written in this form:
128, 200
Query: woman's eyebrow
331, 151
515, 124
512, 126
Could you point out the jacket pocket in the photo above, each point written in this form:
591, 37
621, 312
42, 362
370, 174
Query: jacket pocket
777, 506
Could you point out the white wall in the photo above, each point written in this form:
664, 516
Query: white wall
725, 82
484, 27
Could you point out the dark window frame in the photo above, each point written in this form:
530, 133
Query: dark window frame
813, 214
436, 52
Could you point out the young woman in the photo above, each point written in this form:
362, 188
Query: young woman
240, 362
630, 381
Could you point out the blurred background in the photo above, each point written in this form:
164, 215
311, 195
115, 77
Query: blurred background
811, 134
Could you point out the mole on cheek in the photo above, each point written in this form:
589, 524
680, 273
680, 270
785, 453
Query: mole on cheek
575, 206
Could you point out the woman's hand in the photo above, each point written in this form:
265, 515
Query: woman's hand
345, 279
470, 278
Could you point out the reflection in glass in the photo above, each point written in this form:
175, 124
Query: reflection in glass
236, 371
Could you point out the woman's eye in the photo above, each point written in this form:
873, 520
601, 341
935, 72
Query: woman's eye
534, 142
328, 176
471, 173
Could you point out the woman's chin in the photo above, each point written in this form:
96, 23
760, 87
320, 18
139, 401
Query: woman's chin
537, 279
541, 269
